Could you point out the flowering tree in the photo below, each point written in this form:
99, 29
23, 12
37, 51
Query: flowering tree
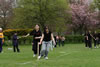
82, 17
5, 12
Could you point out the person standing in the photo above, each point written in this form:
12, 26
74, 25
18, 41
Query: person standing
15, 43
55, 41
47, 36
59, 41
1, 40
36, 33
95, 35
89, 38
62, 40
86, 39
98, 38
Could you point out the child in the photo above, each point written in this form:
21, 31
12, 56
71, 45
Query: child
15, 43
1, 39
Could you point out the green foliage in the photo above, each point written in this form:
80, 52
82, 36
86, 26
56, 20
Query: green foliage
74, 39
97, 4
29, 40
25, 40
43, 12
20, 32
98, 30
21, 41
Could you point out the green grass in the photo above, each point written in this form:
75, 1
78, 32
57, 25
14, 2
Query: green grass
71, 55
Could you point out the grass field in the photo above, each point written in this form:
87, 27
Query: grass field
71, 55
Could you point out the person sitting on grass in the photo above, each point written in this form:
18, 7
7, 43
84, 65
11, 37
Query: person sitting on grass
1, 40
47, 36
15, 43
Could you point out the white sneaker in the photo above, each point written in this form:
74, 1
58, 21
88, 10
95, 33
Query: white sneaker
34, 55
95, 47
46, 58
39, 57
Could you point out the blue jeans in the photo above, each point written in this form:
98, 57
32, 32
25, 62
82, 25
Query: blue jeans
45, 48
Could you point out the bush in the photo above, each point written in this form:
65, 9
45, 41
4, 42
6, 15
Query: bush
7, 43
21, 41
9, 33
74, 39
26, 40
29, 39
98, 31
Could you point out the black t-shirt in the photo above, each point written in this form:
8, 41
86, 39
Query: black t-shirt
95, 35
55, 38
85, 35
89, 37
47, 36
99, 35
36, 34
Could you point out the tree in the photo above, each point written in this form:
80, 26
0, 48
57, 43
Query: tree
96, 5
43, 12
5, 13
83, 18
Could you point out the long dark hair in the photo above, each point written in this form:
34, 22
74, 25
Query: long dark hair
46, 27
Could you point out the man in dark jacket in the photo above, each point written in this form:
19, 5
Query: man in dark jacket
15, 43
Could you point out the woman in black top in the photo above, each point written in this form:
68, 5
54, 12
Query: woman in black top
47, 36
86, 39
96, 39
36, 39
89, 38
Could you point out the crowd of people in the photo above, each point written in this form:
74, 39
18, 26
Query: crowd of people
42, 41
92, 37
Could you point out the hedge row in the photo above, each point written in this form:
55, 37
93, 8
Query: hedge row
28, 40
74, 39
9, 32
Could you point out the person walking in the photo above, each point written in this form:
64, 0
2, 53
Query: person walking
89, 38
36, 33
47, 36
